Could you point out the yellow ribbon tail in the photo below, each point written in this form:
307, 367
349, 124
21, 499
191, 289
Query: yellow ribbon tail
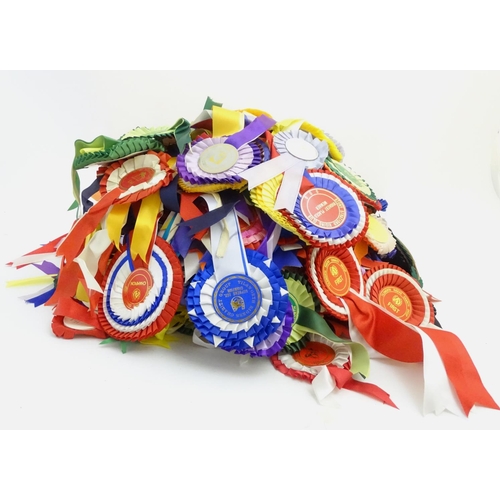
226, 121
37, 280
145, 226
115, 222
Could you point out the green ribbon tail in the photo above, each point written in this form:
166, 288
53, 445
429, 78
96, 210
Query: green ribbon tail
182, 134
209, 104
315, 323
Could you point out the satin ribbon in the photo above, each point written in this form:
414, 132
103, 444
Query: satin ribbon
226, 122
145, 226
395, 339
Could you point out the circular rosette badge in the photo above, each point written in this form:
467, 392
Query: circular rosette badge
379, 237
308, 361
138, 303
397, 292
332, 273
302, 145
239, 311
210, 161
329, 213
137, 177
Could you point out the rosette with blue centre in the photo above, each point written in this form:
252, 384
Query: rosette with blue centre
137, 303
239, 311
302, 145
209, 160
329, 212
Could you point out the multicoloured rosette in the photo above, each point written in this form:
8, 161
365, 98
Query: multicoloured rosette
332, 273
356, 182
137, 177
139, 302
253, 232
397, 292
240, 310
329, 213
300, 294
209, 160
306, 363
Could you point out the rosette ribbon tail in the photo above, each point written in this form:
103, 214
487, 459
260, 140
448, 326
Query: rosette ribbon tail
72, 245
447, 364
344, 380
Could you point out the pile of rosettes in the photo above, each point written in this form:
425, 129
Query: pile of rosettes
252, 236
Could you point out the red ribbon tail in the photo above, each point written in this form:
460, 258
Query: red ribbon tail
461, 370
72, 245
344, 380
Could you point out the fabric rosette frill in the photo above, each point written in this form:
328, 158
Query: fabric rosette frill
138, 302
239, 311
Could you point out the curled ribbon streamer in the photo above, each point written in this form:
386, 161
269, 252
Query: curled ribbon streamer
71, 246
144, 232
404, 342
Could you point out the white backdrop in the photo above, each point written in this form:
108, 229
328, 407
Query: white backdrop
423, 141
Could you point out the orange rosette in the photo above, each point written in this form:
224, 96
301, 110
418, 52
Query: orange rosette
333, 272
139, 302
137, 177
397, 292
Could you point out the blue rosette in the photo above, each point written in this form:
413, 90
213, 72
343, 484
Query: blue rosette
240, 311
329, 212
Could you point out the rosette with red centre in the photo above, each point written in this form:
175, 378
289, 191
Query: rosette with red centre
308, 361
138, 176
397, 292
137, 303
332, 273
328, 212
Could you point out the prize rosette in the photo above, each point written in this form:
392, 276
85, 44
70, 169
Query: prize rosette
240, 310
379, 237
276, 341
252, 233
138, 303
307, 362
329, 213
302, 145
397, 292
137, 177
300, 294
209, 160
362, 189
332, 273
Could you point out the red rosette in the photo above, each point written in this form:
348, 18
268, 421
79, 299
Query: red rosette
137, 177
397, 292
134, 310
67, 329
332, 272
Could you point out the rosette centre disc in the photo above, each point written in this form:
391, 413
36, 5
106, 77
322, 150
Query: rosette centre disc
237, 298
336, 276
136, 177
315, 354
323, 208
218, 158
396, 301
136, 288
301, 149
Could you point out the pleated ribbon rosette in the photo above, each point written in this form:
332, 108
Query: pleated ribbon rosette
253, 236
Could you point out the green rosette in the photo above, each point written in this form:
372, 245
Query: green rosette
295, 346
300, 295
355, 181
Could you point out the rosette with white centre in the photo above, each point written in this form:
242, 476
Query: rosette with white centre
240, 310
378, 236
329, 213
210, 160
397, 292
332, 273
138, 176
302, 145
308, 362
138, 303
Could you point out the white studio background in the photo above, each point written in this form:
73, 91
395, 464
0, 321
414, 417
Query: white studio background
423, 141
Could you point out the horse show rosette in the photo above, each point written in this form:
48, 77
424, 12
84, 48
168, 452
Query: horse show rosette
252, 236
